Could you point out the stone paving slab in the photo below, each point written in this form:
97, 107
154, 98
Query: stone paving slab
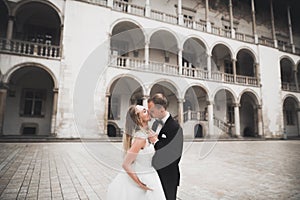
210, 170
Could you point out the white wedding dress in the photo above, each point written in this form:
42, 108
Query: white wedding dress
124, 188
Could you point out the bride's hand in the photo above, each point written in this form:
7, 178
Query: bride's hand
144, 186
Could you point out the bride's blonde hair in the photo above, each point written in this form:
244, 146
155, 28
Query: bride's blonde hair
132, 124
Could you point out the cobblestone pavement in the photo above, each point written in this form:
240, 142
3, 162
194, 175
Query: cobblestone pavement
210, 170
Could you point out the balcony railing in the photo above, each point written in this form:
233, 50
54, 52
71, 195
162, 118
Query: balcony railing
244, 37
161, 16
246, 80
29, 48
190, 115
222, 32
266, 41
223, 77
195, 72
172, 69
291, 87
164, 68
128, 8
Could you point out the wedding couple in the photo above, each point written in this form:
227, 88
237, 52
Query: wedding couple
152, 156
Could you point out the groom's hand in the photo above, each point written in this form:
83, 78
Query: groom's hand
153, 137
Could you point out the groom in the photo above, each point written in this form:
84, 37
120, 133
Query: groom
168, 145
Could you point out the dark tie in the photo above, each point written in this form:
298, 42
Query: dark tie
159, 121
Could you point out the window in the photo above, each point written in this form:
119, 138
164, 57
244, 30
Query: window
228, 67
289, 117
33, 103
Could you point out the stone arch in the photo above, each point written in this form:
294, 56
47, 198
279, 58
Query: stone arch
31, 101
290, 116
50, 4
127, 39
7, 76
245, 63
194, 54
221, 55
249, 114
37, 21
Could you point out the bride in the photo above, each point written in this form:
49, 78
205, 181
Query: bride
140, 180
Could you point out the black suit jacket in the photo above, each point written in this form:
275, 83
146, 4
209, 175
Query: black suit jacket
168, 152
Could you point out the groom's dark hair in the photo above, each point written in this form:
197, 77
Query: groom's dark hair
159, 100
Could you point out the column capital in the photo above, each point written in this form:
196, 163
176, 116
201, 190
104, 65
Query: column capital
145, 97
180, 49
233, 59
208, 53
209, 102
55, 90
236, 104
259, 106
107, 94
4, 86
180, 100
11, 17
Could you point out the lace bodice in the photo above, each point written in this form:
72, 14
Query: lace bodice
144, 157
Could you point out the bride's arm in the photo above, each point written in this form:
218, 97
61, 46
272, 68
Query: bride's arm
131, 155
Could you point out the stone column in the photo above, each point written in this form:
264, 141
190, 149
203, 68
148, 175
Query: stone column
180, 60
145, 101
147, 8
260, 121
3, 94
54, 112
257, 72
110, 3
146, 56
290, 28
231, 19
180, 111
298, 121
179, 12
208, 24
10, 27
107, 96
234, 69
273, 24
210, 110
209, 65
296, 77
254, 22
237, 119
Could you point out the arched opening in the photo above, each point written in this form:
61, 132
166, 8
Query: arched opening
249, 115
287, 76
127, 40
124, 91
113, 130
39, 23
221, 57
198, 131
195, 104
245, 65
290, 117
224, 118
193, 57
163, 48
29, 102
